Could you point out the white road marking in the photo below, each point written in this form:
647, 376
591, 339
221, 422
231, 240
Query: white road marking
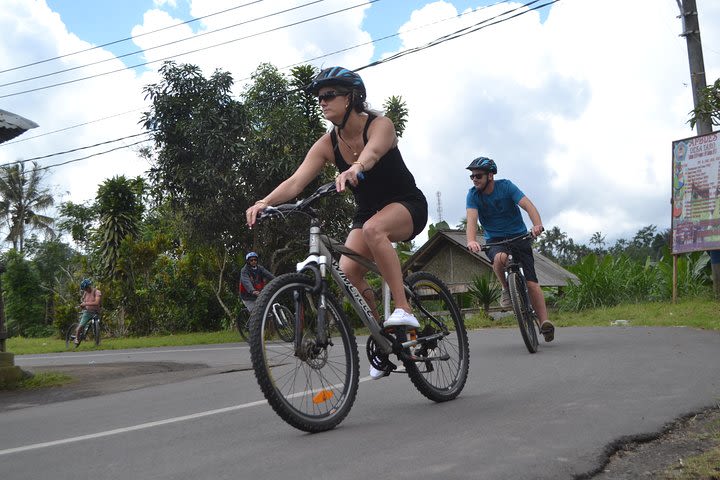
142, 426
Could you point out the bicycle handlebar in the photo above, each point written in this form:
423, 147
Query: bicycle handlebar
524, 236
303, 205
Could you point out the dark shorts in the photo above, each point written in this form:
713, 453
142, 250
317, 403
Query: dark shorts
417, 207
522, 251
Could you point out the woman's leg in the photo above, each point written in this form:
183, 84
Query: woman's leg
391, 224
355, 272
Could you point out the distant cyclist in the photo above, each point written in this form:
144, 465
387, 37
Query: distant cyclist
89, 303
495, 204
253, 278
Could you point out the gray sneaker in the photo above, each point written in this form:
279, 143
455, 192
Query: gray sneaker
505, 298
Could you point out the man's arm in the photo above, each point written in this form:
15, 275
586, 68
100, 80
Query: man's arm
534, 215
266, 274
471, 230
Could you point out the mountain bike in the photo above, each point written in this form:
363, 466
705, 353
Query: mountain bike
90, 331
311, 379
519, 297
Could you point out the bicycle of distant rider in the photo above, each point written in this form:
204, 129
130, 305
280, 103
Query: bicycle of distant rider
311, 377
90, 331
282, 321
519, 297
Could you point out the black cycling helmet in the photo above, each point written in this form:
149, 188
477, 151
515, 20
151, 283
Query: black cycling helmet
85, 283
341, 77
483, 163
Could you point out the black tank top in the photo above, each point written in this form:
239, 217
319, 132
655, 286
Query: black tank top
388, 181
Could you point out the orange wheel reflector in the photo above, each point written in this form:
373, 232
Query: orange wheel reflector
322, 396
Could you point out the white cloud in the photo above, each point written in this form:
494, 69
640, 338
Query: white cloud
579, 111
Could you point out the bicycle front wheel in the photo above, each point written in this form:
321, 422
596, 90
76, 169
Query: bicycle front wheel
442, 375
96, 331
70, 335
314, 387
522, 310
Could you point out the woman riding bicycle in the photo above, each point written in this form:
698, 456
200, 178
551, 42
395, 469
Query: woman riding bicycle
89, 303
390, 207
494, 203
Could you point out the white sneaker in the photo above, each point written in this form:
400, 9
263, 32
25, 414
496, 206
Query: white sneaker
505, 298
401, 318
376, 374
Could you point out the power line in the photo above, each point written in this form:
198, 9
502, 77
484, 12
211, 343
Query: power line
18, 162
457, 34
188, 52
25, 139
194, 37
460, 33
281, 68
128, 38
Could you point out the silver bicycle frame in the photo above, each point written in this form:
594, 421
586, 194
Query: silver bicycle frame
321, 255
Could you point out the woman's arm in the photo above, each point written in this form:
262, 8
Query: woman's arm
318, 155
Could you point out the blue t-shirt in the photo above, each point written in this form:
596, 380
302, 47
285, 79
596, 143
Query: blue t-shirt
498, 212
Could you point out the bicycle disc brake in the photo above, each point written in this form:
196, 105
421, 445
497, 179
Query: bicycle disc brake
378, 359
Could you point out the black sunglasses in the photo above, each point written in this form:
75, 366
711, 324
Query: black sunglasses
477, 176
327, 96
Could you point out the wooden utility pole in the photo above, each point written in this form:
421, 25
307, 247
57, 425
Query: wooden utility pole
691, 32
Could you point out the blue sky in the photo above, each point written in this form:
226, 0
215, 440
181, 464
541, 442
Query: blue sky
550, 95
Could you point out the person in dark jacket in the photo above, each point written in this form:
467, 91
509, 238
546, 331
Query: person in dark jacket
253, 278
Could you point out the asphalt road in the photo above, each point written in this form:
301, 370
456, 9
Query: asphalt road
542, 416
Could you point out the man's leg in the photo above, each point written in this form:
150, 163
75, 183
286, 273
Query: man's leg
537, 298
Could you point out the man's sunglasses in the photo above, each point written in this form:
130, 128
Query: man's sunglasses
327, 96
477, 176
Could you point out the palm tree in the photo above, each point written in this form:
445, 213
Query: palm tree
21, 199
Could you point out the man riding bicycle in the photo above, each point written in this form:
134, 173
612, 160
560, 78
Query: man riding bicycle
253, 278
90, 304
495, 205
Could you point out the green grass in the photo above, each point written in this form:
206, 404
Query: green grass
695, 313
27, 346
700, 313
705, 465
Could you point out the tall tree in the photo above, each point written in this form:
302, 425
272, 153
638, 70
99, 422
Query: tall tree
22, 199
119, 204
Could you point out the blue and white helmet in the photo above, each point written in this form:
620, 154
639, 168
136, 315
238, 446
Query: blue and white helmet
85, 283
341, 77
483, 163
251, 255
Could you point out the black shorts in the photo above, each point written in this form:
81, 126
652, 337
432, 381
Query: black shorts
522, 251
417, 207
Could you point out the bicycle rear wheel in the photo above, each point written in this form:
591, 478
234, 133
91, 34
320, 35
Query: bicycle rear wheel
241, 322
523, 312
312, 389
442, 376
70, 335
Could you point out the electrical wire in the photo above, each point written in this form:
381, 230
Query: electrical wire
188, 52
128, 38
457, 34
194, 37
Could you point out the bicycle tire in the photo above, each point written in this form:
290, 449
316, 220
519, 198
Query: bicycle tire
241, 322
96, 331
521, 308
313, 391
441, 379
70, 335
